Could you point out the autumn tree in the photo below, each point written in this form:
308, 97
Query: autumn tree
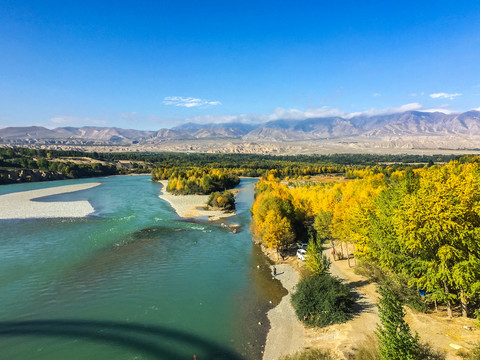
439, 225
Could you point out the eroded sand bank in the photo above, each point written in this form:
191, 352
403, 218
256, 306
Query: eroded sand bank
26, 204
190, 206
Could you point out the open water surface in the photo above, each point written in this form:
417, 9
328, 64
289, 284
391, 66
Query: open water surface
131, 281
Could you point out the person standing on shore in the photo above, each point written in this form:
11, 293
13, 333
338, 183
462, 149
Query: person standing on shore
274, 271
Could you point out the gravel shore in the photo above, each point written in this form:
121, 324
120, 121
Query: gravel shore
25, 204
286, 331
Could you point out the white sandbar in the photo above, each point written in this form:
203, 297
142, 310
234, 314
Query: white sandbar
23, 205
190, 206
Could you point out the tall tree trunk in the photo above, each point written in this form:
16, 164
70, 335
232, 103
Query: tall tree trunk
334, 250
449, 304
348, 256
464, 303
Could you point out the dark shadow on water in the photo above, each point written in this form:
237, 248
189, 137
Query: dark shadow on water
153, 341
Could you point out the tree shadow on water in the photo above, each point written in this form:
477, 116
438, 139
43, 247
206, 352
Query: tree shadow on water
151, 340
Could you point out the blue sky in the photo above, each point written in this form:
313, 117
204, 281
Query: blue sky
153, 64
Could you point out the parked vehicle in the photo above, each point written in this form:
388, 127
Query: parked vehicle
302, 254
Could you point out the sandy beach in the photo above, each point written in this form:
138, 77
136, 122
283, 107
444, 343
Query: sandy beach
286, 331
190, 206
28, 204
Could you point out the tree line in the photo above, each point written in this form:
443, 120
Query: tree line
197, 180
422, 225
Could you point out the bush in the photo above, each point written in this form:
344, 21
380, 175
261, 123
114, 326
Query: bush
308, 354
225, 200
322, 300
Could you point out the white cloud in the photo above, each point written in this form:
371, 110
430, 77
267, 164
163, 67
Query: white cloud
75, 121
375, 112
443, 95
295, 114
376, 94
220, 119
440, 110
188, 102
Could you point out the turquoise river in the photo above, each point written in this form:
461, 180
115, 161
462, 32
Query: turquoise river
131, 281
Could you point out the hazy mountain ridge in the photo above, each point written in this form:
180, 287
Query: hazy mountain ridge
402, 125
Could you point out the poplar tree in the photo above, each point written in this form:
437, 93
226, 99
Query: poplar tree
315, 260
395, 341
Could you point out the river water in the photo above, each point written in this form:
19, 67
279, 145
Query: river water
132, 281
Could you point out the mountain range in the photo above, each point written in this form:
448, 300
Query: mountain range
411, 124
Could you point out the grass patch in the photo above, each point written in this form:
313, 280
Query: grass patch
309, 354
368, 350
473, 354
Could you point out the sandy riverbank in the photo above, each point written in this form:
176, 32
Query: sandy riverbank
28, 204
286, 331
191, 206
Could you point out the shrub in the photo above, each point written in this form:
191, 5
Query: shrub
322, 300
225, 200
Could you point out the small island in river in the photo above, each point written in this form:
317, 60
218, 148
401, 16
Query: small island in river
191, 206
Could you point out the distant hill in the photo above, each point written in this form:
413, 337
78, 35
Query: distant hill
408, 125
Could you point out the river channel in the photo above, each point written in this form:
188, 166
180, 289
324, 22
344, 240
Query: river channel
132, 280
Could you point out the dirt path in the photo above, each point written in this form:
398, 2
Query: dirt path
453, 336
343, 339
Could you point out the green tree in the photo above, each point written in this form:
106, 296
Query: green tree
316, 261
439, 226
395, 341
